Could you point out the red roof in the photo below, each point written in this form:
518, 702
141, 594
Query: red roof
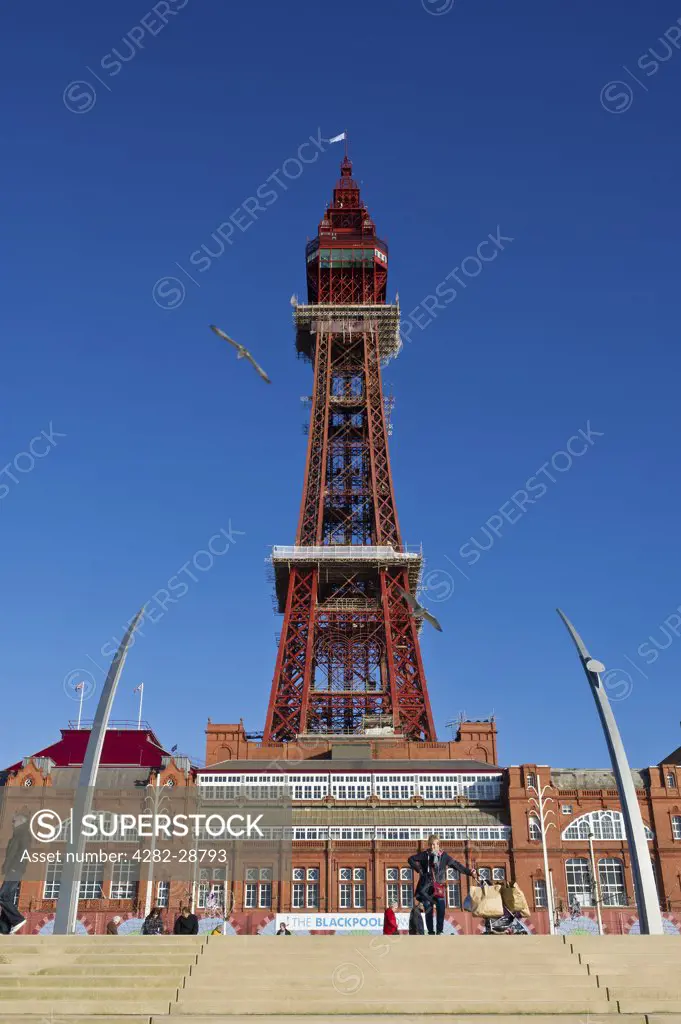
122, 748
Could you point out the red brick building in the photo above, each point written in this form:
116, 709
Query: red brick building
361, 806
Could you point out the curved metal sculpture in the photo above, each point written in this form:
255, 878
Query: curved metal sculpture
647, 900
67, 903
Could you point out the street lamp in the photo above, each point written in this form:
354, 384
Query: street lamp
158, 803
69, 889
647, 902
596, 886
540, 802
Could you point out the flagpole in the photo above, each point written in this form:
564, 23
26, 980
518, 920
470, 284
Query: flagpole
80, 705
139, 717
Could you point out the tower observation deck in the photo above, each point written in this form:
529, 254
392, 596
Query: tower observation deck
349, 650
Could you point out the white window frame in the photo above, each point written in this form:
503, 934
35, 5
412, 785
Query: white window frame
579, 881
124, 880
676, 826
541, 899
612, 882
606, 826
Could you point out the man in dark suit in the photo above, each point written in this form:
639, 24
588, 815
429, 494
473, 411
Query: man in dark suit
431, 866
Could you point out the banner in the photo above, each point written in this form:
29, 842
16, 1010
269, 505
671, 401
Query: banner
353, 922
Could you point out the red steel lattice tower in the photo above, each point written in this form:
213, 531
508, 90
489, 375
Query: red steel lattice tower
349, 652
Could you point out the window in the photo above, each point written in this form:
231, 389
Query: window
391, 893
124, 878
52, 881
540, 899
676, 826
305, 888
453, 889
498, 874
91, 882
671, 780
485, 873
352, 888
406, 894
163, 894
392, 874
535, 828
351, 787
611, 878
579, 884
530, 780
601, 824
258, 893
566, 809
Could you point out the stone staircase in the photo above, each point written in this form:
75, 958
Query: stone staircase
345, 978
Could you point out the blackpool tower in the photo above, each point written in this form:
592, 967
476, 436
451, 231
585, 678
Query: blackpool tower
349, 657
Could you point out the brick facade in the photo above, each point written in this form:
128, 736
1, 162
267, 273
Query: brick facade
358, 871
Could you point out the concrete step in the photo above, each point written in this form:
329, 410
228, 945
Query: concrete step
647, 1005
416, 1004
162, 960
604, 962
65, 980
67, 1011
421, 1018
352, 979
236, 971
32, 1018
104, 970
621, 941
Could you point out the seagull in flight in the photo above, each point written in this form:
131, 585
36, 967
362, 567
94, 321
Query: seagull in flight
242, 352
418, 611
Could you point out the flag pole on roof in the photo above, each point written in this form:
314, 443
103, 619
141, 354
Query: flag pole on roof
139, 689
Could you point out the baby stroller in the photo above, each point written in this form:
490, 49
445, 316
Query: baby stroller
510, 923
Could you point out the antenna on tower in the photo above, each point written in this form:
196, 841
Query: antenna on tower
452, 725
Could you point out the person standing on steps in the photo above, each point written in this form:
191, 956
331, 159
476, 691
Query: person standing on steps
431, 865
12, 872
112, 926
416, 919
389, 919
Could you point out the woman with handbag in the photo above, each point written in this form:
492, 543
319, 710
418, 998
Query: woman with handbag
431, 865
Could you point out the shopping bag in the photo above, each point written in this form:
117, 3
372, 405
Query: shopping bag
468, 904
514, 899
489, 903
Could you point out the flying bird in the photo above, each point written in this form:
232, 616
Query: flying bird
418, 611
242, 352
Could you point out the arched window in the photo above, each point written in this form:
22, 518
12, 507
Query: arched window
611, 880
535, 827
671, 780
600, 824
579, 885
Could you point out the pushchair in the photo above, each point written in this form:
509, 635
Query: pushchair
509, 923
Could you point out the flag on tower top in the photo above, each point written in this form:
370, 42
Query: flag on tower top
139, 688
79, 686
338, 138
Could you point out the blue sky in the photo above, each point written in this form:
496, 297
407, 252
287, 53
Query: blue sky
489, 117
